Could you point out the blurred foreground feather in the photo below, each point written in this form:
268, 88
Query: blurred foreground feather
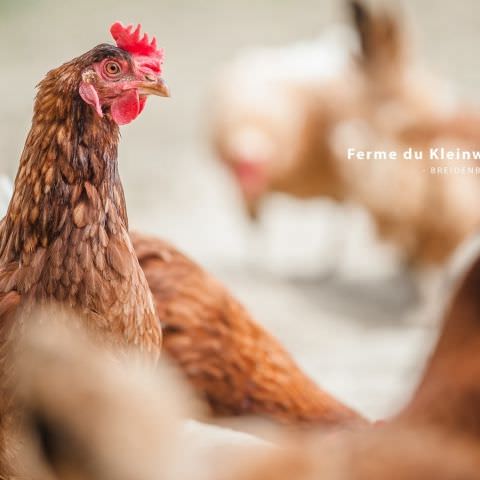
89, 414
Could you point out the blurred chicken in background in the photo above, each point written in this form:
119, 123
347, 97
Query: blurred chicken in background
286, 119
273, 109
271, 104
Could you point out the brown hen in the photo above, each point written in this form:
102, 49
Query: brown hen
65, 238
231, 361
65, 235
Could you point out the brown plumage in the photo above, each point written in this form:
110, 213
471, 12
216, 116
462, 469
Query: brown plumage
449, 394
435, 437
65, 236
231, 361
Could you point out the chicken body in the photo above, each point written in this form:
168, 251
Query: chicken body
273, 109
231, 361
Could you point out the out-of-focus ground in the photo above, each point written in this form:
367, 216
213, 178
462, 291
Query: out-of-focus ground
312, 273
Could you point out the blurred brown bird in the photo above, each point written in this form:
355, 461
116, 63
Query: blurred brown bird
291, 133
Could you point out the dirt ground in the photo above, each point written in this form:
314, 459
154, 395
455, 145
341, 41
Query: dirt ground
342, 315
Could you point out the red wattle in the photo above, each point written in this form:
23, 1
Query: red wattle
251, 176
89, 94
143, 100
126, 108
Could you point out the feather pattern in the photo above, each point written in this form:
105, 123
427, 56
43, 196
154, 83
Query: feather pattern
65, 235
231, 361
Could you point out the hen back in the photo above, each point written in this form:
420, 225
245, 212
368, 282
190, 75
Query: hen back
231, 361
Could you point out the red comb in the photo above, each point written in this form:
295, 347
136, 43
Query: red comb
131, 40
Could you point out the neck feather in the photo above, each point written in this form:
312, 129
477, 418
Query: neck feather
68, 174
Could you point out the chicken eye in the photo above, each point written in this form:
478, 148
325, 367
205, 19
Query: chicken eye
112, 69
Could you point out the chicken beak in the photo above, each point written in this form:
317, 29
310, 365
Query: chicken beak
154, 87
